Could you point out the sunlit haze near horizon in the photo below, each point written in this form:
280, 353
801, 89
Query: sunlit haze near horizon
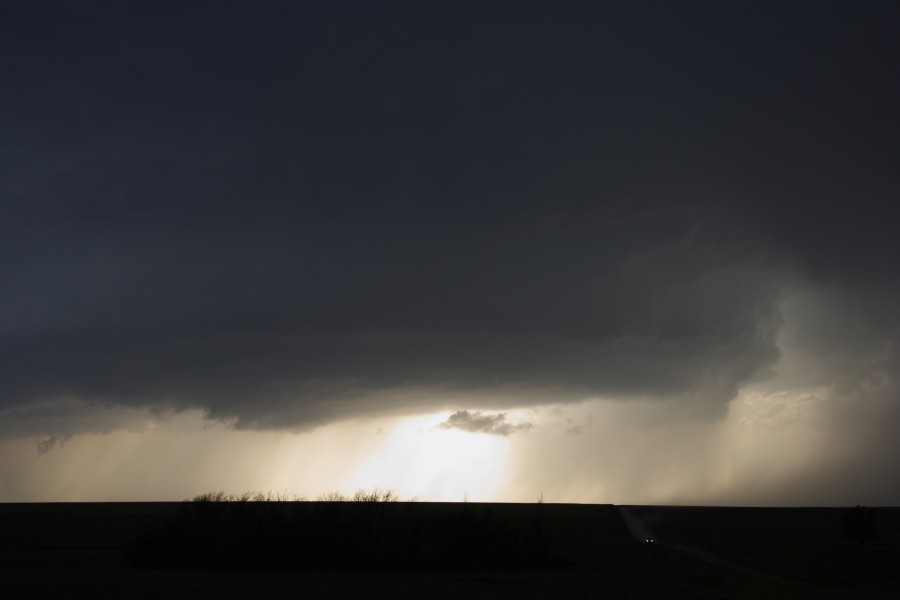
614, 252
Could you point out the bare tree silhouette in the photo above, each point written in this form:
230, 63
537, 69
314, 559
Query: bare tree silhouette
859, 523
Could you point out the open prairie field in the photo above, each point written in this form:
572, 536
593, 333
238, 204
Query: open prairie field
801, 544
79, 551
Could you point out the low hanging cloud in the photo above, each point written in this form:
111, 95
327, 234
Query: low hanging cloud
48, 443
478, 422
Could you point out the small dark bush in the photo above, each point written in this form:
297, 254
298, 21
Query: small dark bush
859, 523
374, 531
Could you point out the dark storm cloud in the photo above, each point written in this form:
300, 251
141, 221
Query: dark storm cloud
477, 422
288, 215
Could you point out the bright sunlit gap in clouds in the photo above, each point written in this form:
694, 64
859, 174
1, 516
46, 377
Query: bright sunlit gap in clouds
599, 451
421, 459
183, 455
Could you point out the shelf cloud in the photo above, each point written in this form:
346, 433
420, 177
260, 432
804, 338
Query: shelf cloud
303, 215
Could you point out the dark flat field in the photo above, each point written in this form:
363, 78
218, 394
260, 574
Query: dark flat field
78, 551
801, 544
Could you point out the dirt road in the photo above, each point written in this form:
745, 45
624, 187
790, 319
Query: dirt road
642, 533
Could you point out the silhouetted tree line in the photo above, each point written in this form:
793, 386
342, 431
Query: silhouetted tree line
859, 523
216, 532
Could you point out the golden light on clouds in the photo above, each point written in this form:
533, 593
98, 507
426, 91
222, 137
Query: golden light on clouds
772, 437
183, 456
418, 458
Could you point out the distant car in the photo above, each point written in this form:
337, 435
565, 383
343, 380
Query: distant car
649, 540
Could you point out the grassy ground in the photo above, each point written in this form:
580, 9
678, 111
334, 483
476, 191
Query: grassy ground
801, 544
869, 571
383, 535
113, 524
77, 550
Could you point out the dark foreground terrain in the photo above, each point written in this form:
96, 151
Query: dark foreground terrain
82, 550
813, 546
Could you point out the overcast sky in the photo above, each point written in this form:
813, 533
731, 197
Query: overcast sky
618, 251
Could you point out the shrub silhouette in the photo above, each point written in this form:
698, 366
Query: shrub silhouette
859, 523
374, 530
